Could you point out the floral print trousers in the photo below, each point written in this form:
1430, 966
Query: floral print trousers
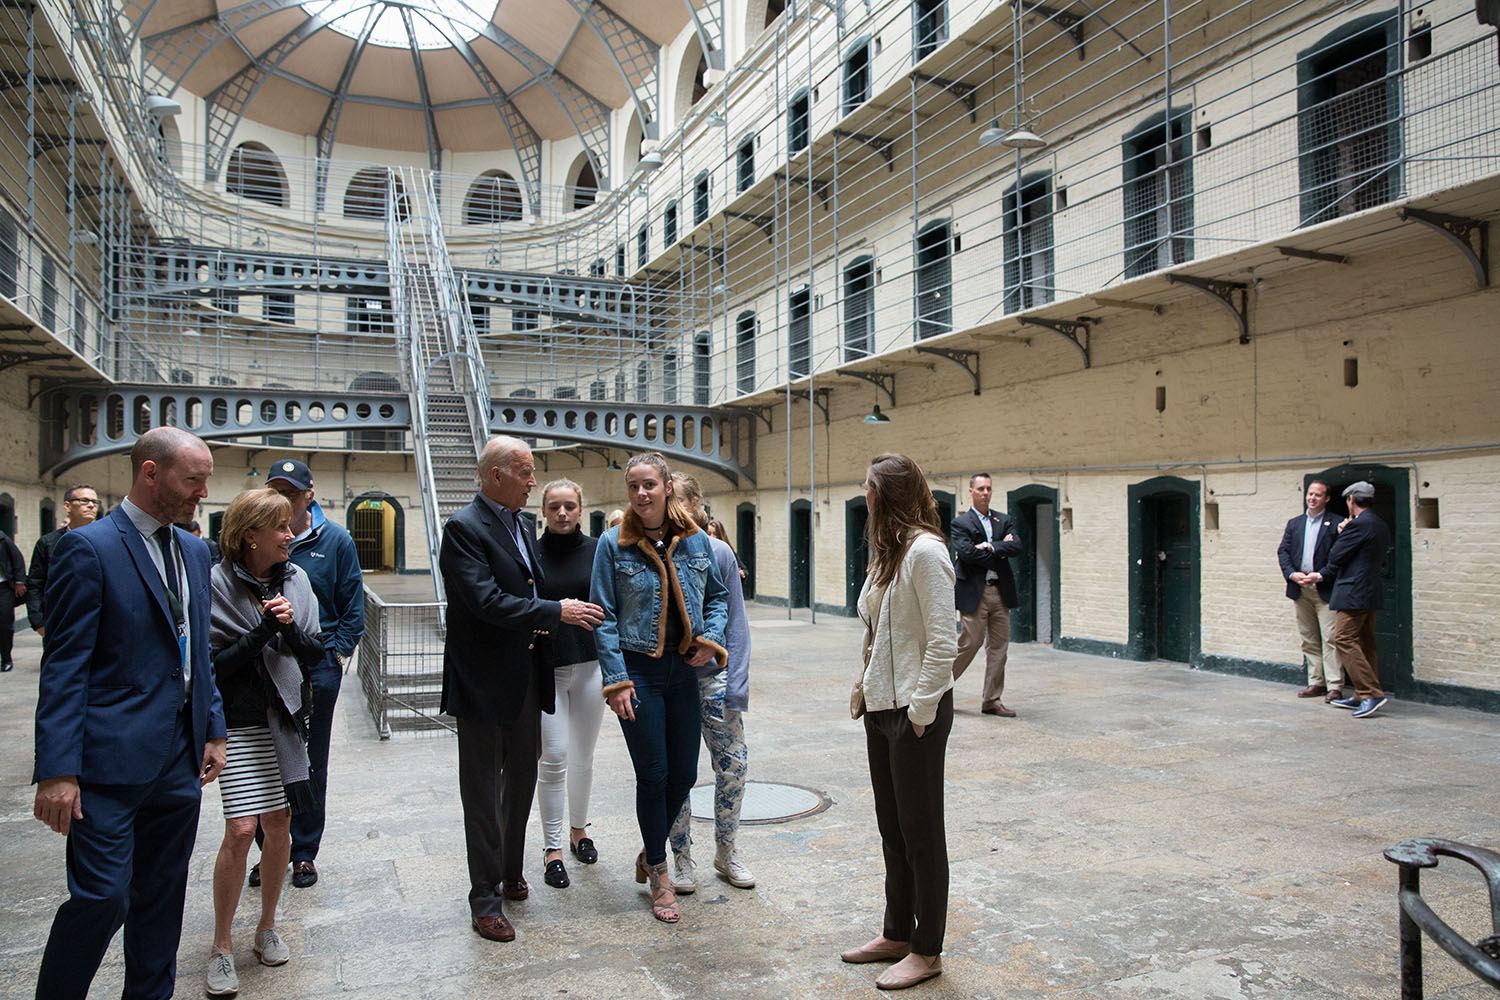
724, 735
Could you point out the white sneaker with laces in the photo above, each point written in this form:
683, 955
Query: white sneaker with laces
221, 980
683, 882
727, 863
270, 948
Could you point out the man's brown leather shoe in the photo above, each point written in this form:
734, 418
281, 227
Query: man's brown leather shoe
516, 888
1333, 695
1313, 691
495, 928
1000, 710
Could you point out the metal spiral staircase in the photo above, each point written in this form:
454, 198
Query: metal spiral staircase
441, 367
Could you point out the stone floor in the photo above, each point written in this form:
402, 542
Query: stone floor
1141, 831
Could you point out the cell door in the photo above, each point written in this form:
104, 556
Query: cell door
1169, 528
799, 563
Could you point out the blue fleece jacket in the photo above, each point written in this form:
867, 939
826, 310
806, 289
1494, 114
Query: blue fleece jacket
327, 555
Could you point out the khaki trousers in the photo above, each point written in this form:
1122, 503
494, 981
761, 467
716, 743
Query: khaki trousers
990, 620
1315, 621
1354, 637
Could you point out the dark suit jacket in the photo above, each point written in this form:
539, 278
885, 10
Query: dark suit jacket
111, 683
974, 564
1289, 552
495, 626
36, 577
12, 562
1355, 563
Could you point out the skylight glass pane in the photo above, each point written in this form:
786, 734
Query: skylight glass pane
351, 16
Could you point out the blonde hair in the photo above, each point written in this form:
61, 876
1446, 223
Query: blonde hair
252, 509
562, 484
676, 514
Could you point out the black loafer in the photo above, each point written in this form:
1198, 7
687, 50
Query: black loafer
556, 875
254, 880
584, 851
304, 874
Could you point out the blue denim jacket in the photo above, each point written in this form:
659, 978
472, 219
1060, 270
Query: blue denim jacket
629, 582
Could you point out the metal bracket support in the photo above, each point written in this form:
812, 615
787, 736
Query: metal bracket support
577, 451
879, 143
763, 412
765, 223
885, 381
1224, 293
1462, 232
9, 360
1327, 258
1076, 331
817, 185
958, 357
818, 396
963, 91
1067, 22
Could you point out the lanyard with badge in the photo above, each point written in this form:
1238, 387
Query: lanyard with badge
171, 573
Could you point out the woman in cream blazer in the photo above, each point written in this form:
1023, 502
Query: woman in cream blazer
907, 606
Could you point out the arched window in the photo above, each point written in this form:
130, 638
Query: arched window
799, 333
1028, 243
1158, 193
745, 165
744, 352
364, 198
859, 309
857, 75
702, 372
493, 197
700, 199
583, 182
690, 86
254, 172
930, 26
669, 377
934, 252
799, 122
669, 224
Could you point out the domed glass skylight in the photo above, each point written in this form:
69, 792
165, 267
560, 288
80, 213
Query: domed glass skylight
459, 20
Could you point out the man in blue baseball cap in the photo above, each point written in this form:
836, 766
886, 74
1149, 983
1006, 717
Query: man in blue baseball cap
326, 553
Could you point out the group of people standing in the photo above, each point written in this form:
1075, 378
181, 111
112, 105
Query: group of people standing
162, 672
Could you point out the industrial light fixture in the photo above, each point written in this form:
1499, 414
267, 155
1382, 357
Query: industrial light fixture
162, 107
1022, 138
1018, 137
722, 288
253, 474
876, 417
650, 163
86, 237
613, 466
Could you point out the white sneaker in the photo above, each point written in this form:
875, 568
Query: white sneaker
683, 882
221, 980
737, 874
271, 949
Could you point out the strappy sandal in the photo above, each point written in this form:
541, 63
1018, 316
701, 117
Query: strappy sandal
663, 898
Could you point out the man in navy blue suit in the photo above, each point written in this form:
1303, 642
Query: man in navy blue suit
128, 721
1354, 565
1304, 547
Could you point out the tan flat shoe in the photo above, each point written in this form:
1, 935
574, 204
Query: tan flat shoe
861, 955
890, 982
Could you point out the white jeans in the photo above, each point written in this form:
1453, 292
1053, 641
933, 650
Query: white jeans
568, 738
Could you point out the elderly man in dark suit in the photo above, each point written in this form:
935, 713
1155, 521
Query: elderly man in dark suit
1354, 565
1304, 547
495, 681
984, 590
128, 721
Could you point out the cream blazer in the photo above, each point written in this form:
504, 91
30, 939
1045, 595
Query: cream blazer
911, 660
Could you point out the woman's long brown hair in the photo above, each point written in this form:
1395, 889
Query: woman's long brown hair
901, 505
676, 514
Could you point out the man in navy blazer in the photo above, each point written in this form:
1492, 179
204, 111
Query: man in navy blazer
128, 721
1355, 566
984, 590
1304, 547
496, 683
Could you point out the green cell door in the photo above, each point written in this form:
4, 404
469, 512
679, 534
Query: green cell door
1393, 629
856, 552
799, 565
1164, 572
744, 540
1033, 514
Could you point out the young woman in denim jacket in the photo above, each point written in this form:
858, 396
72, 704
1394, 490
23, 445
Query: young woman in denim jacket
664, 616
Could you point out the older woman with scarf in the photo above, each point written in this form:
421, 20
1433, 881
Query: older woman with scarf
265, 636
664, 615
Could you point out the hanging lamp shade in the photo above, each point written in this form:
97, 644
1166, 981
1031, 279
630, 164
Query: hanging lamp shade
876, 417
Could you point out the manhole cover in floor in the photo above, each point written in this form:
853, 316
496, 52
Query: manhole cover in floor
765, 802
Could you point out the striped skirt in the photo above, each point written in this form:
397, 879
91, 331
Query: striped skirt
251, 781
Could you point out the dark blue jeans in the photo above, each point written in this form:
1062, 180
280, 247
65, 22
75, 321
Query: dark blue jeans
663, 743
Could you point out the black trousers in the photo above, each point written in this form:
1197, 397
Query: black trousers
907, 776
496, 782
7, 619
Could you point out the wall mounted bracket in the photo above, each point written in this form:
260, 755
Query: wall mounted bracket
817, 185
1067, 22
958, 357
1076, 331
1226, 293
818, 396
765, 223
963, 91
578, 451
1327, 258
1471, 236
885, 381
879, 143
763, 412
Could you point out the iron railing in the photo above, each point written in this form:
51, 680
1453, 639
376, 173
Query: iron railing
401, 666
1480, 957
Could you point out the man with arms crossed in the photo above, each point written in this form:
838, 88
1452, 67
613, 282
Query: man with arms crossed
128, 722
495, 682
984, 590
1304, 547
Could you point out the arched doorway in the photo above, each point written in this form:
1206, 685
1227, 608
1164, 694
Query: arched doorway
8, 514
47, 514
799, 555
597, 524
856, 552
1033, 512
744, 541
1164, 570
1393, 627
378, 525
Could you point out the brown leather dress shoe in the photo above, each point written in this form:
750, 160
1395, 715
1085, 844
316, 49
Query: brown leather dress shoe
859, 956
1000, 710
1333, 695
495, 928
515, 888
1313, 691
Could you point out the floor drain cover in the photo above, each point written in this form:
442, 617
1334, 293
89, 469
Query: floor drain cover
765, 802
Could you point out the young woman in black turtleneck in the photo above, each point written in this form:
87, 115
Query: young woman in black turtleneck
569, 734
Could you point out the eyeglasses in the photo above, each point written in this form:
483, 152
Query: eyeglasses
83, 502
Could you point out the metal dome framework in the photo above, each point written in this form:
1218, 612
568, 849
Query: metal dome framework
429, 75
